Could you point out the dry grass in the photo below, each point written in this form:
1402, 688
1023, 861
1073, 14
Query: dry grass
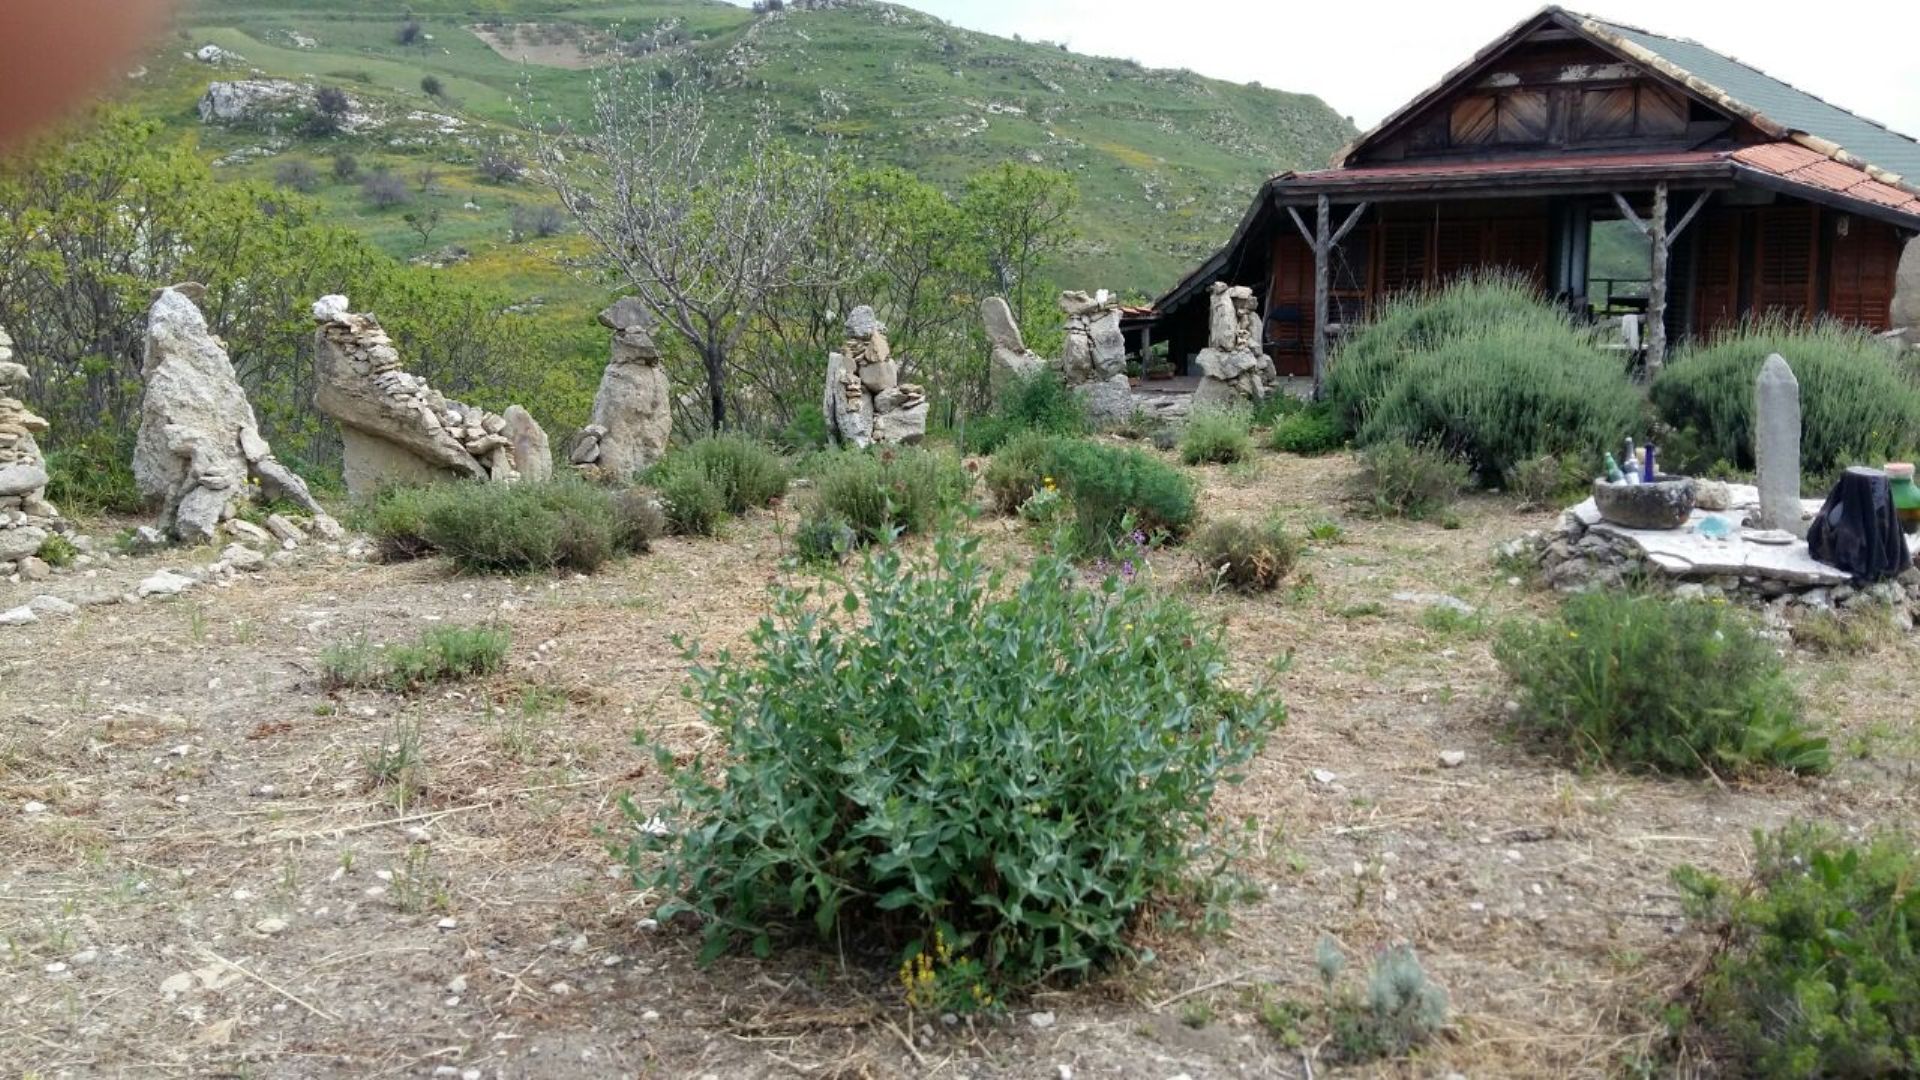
1537, 896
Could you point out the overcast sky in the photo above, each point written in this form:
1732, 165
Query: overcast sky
1366, 57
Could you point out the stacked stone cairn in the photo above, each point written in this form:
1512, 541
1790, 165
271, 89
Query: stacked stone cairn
396, 429
26, 517
632, 417
199, 452
1905, 309
865, 401
1011, 359
1094, 362
1233, 369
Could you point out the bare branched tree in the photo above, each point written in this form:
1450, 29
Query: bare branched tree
706, 223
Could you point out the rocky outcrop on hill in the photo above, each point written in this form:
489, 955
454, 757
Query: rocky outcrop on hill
199, 450
395, 429
632, 419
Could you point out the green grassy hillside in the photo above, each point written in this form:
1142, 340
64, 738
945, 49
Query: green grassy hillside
1165, 160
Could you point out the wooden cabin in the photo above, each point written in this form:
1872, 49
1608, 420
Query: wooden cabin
1748, 196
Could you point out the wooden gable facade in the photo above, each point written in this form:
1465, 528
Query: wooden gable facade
1506, 165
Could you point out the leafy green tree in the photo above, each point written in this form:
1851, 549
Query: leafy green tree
94, 219
1021, 216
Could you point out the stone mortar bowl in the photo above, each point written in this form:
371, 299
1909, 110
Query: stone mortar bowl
1664, 504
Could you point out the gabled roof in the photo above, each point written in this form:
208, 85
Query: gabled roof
1774, 107
1797, 111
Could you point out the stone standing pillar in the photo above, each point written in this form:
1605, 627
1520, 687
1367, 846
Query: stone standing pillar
1776, 445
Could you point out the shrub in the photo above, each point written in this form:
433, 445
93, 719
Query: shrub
1244, 556
1118, 490
1410, 480
1815, 972
384, 190
297, 174
57, 550
397, 520
823, 537
1369, 363
1309, 432
877, 492
1549, 480
522, 528
1401, 1009
500, 167
447, 653
747, 474
996, 780
1507, 394
442, 654
540, 222
1019, 469
1633, 680
430, 86
693, 503
1216, 437
1039, 402
1858, 401
1487, 368
346, 168
639, 518
93, 474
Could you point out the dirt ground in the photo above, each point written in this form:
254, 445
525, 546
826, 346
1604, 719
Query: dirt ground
210, 886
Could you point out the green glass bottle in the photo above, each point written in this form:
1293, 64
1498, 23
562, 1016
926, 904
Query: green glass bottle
1906, 496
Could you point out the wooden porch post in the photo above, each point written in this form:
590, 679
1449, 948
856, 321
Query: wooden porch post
1655, 229
1657, 288
1322, 245
1323, 238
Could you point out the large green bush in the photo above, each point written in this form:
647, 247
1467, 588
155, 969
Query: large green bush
522, 528
1636, 680
1216, 437
878, 491
1818, 969
1369, 363
1005, 776
746, 474
1114, 490
1485, 368
1117, 490
1039, 402
1510, 393
1858, 402
1309, 431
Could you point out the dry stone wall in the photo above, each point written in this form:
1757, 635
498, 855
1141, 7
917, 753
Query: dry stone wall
1233, 369
396, 429
27, 519
865, 401
1094, 360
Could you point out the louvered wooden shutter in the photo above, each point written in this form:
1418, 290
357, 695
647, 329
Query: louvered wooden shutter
1403, 257
1785, 255
1716, 300
1860, 289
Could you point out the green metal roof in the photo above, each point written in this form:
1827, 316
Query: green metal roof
1796, 109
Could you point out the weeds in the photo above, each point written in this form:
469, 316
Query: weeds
442, 654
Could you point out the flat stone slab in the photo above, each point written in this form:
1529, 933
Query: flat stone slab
1684, 552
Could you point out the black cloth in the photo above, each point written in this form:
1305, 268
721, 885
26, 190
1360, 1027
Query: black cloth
1858, 530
